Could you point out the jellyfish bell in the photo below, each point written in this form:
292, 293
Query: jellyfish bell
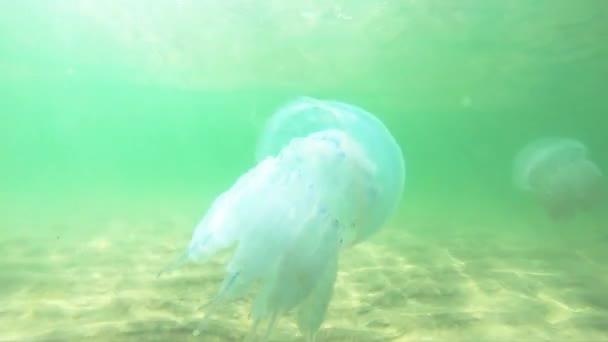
543, 156
305, 115
559, 173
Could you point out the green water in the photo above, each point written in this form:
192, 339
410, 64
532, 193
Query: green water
122, 120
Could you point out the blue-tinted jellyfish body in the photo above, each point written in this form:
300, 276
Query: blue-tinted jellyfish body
559, 172
327, 174
306, 115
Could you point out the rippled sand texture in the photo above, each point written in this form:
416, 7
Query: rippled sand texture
402, 286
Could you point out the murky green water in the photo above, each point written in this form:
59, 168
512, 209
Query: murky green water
122, 120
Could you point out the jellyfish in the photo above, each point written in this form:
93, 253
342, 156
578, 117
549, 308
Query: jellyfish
307, 115
560, 174
328, 176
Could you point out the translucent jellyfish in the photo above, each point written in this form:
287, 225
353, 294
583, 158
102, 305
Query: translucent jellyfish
307, 115
328, 174
559, 172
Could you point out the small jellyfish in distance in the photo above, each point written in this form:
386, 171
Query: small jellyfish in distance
560, 174
328, 176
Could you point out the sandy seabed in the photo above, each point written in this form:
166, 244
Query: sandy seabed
404, 285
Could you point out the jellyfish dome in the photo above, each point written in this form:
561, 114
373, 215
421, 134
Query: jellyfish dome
543, 156
306, 115
327, 174
559, 172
